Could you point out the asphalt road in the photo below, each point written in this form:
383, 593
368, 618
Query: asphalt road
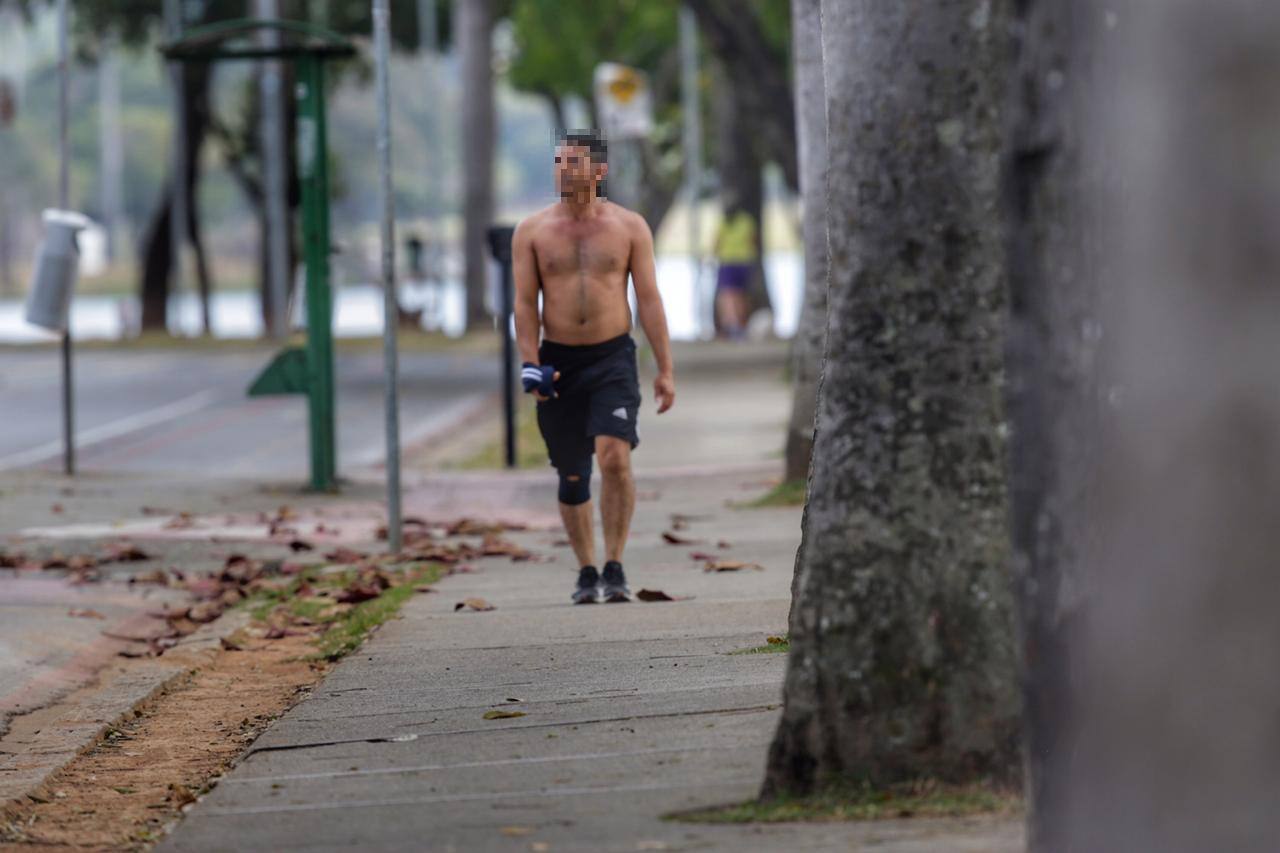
185, 411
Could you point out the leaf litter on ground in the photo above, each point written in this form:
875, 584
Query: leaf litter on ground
503, 715
730, 565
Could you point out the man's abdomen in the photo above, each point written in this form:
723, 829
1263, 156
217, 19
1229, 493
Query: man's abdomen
584, 312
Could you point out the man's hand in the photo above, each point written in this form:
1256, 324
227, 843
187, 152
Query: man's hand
539, 397
539, 380
664, 391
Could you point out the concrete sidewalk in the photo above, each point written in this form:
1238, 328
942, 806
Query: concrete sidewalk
630, 712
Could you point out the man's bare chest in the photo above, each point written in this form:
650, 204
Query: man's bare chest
561, 255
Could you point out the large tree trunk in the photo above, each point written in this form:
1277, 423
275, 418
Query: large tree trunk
1176, 696
741, 170
1057, 225
474, 27
903, 661
733, 32
811, 139
154, 286
157, 259
197, 79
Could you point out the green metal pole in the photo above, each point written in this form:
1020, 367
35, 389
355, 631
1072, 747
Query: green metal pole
315, 223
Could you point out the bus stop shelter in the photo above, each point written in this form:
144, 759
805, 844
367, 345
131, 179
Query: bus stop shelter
308, 371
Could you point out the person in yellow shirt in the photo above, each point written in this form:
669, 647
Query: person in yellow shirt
736, 255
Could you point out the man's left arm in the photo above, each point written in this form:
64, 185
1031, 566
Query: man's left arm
653, 319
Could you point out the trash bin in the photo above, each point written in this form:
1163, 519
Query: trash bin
53, 277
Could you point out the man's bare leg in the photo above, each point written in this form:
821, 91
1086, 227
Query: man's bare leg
617, 495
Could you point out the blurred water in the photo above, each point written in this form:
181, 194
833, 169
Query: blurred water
358, 308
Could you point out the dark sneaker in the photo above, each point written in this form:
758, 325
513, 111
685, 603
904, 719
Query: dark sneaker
588, 589
615, 583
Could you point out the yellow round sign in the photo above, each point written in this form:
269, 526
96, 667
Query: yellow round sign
625, 86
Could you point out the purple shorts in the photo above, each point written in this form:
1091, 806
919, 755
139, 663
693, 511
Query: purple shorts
734, 276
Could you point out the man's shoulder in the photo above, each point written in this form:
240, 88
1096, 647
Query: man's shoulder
627, 218
533, 220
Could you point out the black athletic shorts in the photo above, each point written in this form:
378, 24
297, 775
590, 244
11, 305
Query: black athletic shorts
598, 393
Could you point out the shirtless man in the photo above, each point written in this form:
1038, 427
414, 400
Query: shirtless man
578, 253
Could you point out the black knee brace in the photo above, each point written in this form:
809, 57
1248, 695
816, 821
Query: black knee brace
574, 489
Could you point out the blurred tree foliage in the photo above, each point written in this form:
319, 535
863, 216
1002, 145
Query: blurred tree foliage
560, 42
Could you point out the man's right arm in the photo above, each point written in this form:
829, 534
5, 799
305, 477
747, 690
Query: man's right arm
525, 273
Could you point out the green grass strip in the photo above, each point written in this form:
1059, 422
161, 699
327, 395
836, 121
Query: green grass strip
787, 493
349, 629
774, 645
863, 802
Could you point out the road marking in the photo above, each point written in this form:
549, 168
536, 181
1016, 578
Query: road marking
108, 431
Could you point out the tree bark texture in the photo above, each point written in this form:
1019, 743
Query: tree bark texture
811, 144
475, 25
1176, 693
903, 660
1058, 194
154, 286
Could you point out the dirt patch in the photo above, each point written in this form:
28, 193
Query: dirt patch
120, 793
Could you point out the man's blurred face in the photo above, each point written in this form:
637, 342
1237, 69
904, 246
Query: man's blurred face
576, 174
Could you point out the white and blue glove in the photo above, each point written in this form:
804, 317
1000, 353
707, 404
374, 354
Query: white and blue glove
540, 378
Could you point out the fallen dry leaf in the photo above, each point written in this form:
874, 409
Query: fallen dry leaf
204, 587
775, 641
679, 524
205, 612
724, 543
85, 613
159, 577
478, 604
56, 509
345, 556
296, 545
653, 595
495, 546
673, 539
516, 831
180, 795
124, 552
356, 592
231, 644
503, 715
730, 566
180, 521
702, 556
183, 626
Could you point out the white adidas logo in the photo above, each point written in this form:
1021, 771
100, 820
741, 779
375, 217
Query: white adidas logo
620, 412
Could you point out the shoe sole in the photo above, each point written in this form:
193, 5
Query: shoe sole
617, 598
595, 599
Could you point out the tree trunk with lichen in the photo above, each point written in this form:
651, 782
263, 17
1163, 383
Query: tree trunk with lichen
903, 660
811, 144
